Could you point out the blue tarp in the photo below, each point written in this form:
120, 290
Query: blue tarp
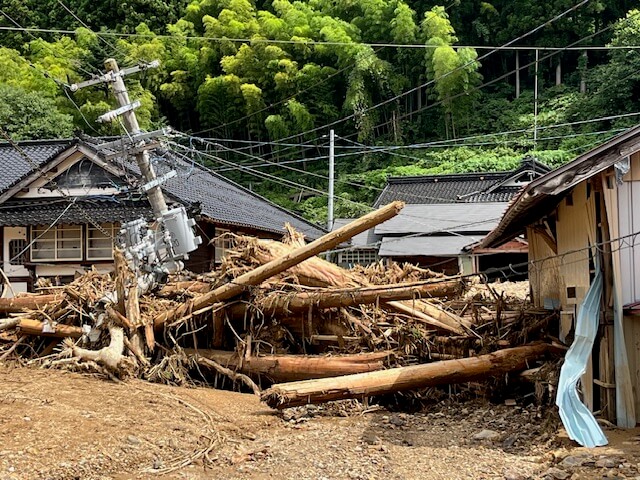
579, 422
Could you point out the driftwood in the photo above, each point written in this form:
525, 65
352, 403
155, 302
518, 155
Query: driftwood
403, 378
279, 304
173, 289
29, 326
110, 356
268, 270
288, 368
235, 377
28, 302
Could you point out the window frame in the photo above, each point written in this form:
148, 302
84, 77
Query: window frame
37, 235
111, 228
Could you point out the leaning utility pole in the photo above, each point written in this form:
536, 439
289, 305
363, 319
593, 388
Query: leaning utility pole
156, 199
151, 251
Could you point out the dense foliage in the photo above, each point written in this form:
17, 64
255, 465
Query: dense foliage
267, 79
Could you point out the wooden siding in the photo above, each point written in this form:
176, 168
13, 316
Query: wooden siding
575, 230
544, 275
629, 223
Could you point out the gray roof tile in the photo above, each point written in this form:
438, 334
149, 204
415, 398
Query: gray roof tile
457, 188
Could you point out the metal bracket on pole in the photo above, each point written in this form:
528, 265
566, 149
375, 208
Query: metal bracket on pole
133, 150
156, 182
113, 114
111, 76
126, 142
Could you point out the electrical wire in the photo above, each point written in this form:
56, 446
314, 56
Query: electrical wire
419, 46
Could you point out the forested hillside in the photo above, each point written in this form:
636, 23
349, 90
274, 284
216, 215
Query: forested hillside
409, 87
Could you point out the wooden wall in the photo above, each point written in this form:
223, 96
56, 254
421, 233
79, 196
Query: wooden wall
544, 274
575, 230
628, 211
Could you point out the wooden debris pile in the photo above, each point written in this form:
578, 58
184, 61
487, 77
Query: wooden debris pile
276, 312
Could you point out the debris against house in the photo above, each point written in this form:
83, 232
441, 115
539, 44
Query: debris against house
275, 312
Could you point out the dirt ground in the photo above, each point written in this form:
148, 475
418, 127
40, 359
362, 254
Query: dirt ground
58, 425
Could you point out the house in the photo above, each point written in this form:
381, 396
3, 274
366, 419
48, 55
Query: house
444, 214
62, 201
582, 223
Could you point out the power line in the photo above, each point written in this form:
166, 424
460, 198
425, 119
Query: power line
319, 42
432, 81
491, 82
21, 28
79, 20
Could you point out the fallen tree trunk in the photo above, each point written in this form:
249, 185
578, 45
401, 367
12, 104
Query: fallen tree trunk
403, 378
173, 289
411, 310
268, 270
29, 326
30, 302
278, 303
288, 368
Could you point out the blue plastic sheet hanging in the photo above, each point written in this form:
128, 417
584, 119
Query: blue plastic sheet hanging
578, 421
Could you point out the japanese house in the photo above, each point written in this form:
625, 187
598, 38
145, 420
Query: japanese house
62, 201
582, 223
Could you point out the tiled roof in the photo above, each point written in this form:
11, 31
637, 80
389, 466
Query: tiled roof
222, 200
14, 167
228, 203
440, 246
459, 187
14, 214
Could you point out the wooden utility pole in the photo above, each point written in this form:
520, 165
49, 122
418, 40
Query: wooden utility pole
331, 179
156, 199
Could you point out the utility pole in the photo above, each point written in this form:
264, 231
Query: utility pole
535, 104
158, 250
331, 179
156, 199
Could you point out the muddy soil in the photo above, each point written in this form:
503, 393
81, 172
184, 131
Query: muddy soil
58, 425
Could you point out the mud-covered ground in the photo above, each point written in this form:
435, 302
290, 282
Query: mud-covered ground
61, 426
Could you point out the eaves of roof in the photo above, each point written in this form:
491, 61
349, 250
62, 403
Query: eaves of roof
543, 194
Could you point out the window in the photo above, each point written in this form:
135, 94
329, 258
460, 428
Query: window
61, 242
358, 257
99, 245
222, 242
18, 251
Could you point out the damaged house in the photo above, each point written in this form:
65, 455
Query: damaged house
582, 223
62, 201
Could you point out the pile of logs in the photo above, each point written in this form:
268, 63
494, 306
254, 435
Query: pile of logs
277, 315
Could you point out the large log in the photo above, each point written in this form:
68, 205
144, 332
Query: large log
316, 272
29, 326
403, 378
268, 270
29, 302
279, 303
413, 309
288, 368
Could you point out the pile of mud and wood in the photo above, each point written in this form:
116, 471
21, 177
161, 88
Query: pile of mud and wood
283, 322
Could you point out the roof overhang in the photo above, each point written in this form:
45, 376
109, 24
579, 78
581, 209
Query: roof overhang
542, 195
